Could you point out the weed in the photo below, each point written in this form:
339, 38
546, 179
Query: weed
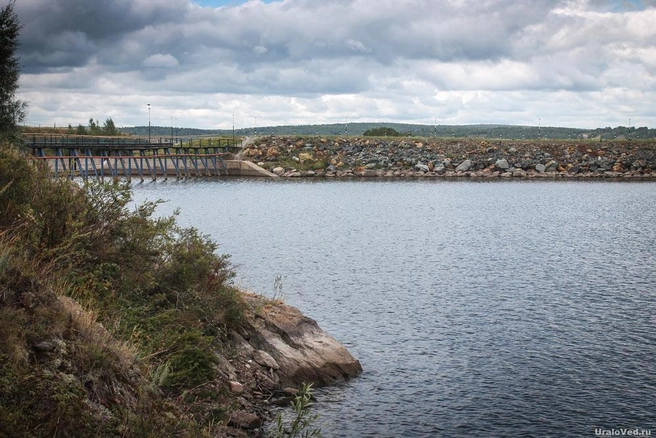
301, 423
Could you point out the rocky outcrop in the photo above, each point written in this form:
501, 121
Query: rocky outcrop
483, 158
294, 349
277, 350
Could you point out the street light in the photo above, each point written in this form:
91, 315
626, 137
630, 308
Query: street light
148, 123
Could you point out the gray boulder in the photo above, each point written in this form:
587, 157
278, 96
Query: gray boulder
502, 164
464, 166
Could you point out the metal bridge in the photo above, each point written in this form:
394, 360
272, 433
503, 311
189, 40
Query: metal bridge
124, 157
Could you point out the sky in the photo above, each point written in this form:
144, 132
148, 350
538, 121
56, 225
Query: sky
211, 63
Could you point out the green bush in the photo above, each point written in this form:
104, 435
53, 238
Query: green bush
384, 132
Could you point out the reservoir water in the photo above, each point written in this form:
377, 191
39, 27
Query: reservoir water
475, 308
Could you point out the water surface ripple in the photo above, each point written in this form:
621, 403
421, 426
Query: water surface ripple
476, 309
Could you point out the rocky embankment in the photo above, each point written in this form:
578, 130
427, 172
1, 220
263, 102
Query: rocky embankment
480, 158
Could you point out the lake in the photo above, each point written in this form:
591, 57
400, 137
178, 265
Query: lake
476, 308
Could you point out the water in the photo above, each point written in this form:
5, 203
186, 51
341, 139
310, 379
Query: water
475, 308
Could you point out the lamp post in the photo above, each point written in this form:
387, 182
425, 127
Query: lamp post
233, 129
148, 123
255, 125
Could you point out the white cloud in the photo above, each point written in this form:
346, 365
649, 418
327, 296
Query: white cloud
161, 60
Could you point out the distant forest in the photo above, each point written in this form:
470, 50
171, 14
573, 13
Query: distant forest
460, 131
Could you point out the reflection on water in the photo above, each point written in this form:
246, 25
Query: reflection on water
476, 309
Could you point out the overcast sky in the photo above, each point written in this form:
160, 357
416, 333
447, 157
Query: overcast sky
573, 63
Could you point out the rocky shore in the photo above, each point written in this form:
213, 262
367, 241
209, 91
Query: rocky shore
470, 157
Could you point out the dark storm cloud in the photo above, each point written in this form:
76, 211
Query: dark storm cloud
71, 33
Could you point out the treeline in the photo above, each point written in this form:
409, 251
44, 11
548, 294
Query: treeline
515, 132
623, 132
94, 128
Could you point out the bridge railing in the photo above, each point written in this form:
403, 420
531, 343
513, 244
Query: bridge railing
78, 141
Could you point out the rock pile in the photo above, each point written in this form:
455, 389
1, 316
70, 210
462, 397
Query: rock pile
354, 156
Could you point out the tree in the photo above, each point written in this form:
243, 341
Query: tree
109, 128
94, 129
12, 111
384, 132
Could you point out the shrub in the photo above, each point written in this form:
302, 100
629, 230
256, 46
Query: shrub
384, 132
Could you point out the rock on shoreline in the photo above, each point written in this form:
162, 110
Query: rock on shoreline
277, 350
479, 158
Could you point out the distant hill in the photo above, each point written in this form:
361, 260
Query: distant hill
482, 131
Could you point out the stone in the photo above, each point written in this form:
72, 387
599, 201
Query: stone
278, 170
464, 166
304, 352
551, 166
272, 152
236, 387
45, 346
526, 164
421, 167
519, 173
540, 168
290, 391
502, 164
245, 420
263, 358
305, 156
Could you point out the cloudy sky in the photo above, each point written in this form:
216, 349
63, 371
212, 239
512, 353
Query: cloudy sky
571, 63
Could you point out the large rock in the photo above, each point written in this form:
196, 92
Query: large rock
245, 420
502, 164
304, 353
464, 166
551, 166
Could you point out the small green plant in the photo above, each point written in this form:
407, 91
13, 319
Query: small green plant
301, 423
278, 284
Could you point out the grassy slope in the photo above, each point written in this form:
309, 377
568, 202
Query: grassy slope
109, 318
